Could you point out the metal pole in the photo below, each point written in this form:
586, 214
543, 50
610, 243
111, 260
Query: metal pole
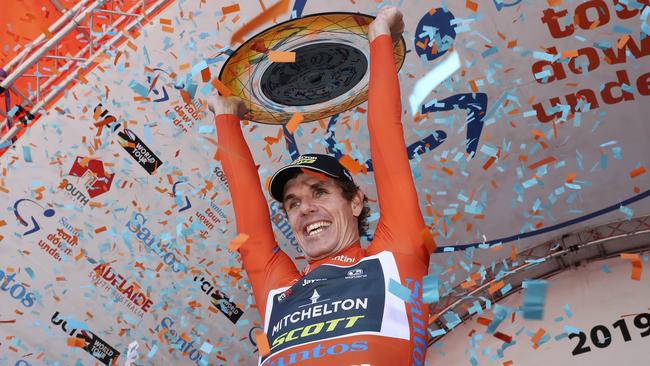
6, 139
32, 59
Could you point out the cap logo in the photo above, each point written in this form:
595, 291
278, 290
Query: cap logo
304, 160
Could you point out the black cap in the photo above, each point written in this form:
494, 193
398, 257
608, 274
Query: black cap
321, 163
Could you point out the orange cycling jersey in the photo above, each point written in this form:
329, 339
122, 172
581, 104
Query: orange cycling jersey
339, 310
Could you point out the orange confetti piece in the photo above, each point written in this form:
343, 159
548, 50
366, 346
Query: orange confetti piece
496, 287
638, 171
76, 342
205, 75
237, 242
3, 223
350, 164
262, 344
165, 21
280, 56
621, 42
167, 29
544, 161
471, 5
230, 9
278, 9
318, 175
100, 229
637, 265
537, 337
570, 177
293, 123
221, 87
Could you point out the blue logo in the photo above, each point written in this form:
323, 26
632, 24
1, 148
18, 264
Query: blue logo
33, 225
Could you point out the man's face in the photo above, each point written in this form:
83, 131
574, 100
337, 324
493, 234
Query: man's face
322, 220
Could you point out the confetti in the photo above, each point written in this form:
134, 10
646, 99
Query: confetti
637, 265
262, 343
534, 299
280, 56
399, 290
237, 242
432, 79
293, 123
276, 10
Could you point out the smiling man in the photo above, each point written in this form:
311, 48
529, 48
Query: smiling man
342, 309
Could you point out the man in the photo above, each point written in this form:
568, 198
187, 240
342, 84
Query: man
342, 308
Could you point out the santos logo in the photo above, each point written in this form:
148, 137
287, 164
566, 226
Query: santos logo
318, 352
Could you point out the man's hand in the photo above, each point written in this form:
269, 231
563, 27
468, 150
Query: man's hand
227, 105
388, 21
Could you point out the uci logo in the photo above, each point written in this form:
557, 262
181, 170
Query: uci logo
305, 160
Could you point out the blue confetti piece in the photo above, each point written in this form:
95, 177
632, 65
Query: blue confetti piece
571, 330
627, 211
206, 129
500, 314
399, 290
534, 299
207, 347
437, 332
138, 88
153, 351
27, 154
452, 319
30, 272
75, 324
430, 294
567, 311
606, 269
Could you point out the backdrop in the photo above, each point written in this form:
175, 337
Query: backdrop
116, 215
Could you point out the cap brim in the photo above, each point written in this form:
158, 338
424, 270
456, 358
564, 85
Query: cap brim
282, 176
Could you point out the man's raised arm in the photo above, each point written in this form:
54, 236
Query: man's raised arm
400, 222
267, 266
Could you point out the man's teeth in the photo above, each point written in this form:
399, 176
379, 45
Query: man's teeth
317, 227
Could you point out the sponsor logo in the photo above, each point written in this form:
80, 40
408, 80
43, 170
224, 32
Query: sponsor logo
355, 273
306, 282
183, 204
208, 218
93, 344
188, 349
58, 243
281, 223
103, 119
319, 351
17, 291
344, 259
105, 277
222, 176
220, 301
184, 117
420, 319
96, 179
283, 296
138, 150
304, 160
316, 308
31, 222
143, 233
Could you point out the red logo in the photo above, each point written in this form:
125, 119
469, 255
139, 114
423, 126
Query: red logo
96, 179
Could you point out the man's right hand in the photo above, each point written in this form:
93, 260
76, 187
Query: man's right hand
227, 105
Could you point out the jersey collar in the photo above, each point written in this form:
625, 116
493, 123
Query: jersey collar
348, 256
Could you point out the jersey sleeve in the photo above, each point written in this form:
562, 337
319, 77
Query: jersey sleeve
266, 265
400, 220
